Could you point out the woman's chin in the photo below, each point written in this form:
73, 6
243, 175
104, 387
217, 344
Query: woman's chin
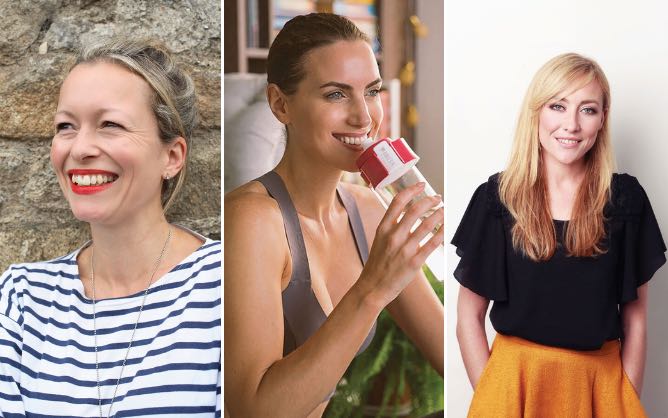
88, 213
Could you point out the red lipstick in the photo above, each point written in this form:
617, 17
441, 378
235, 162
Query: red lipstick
86, 190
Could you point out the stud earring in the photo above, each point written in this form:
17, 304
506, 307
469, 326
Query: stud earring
166, 176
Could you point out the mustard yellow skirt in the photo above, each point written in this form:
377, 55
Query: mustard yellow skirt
523, 379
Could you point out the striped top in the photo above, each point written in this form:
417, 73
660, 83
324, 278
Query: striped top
47, 354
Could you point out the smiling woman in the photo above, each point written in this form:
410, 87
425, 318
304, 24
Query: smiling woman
302, 287
133, 314
565, 248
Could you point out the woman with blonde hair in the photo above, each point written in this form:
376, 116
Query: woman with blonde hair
565, 248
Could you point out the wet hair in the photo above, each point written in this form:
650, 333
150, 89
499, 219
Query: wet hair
301, 35
173, 100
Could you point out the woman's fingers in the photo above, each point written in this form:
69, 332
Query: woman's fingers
398, 204
430, 245
416, 210
428, 225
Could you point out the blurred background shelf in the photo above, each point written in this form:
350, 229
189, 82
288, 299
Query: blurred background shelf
251, 25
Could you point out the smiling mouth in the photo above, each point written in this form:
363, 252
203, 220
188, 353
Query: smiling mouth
351, 139
566, 141
92, 179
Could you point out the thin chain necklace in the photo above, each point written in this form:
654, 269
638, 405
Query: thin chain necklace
141, 308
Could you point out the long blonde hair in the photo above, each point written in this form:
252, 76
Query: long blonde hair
522, 186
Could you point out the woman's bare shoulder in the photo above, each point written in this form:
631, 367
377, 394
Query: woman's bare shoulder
250, 210
254, 230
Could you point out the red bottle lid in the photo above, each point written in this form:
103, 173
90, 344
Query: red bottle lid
385, 161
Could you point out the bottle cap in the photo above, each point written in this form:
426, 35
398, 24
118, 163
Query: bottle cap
386, 160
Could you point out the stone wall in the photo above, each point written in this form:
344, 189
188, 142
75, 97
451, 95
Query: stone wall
38, 42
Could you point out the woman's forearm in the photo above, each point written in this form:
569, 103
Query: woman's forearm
296, 384
474, 348
634, 351
634, 344
471, 311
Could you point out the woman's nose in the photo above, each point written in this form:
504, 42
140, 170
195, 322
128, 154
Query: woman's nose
571, 121
84, 145
359, 113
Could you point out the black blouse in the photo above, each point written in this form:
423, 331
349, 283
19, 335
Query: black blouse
566, 301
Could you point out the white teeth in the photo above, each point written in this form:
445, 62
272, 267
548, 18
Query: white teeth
91, 180
568, 141
353, 140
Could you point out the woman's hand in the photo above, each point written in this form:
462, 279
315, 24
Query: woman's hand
396, 255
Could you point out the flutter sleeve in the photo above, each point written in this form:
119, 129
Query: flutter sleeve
480, 242
643, 249
11, 346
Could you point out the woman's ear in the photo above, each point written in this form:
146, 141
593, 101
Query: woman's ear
278, 103
176, 157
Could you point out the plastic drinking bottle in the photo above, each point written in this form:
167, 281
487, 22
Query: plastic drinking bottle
389, 166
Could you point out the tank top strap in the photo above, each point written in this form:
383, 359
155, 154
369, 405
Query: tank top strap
355, 221
293, 231
302, 313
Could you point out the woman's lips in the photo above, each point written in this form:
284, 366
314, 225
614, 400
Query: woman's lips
90, 181
568, 142
352, 141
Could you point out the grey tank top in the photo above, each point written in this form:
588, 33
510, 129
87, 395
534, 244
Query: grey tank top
302, 314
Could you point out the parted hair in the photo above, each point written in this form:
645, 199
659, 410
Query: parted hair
174, 102
522, 186
301, 35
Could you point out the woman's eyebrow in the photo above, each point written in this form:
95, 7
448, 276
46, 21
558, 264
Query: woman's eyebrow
348, 86
65, 112
582, 102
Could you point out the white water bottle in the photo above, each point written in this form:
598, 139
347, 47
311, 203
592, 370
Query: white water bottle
389, 166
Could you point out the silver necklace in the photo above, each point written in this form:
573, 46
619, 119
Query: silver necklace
132, 336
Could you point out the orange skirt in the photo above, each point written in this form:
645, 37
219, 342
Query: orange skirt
529, 380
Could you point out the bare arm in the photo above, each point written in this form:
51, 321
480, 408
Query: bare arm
258, 380
471, 311
634, 345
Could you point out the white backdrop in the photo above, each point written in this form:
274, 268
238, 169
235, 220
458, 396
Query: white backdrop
492, 50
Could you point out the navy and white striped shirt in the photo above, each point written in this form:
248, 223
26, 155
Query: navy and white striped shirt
47, 355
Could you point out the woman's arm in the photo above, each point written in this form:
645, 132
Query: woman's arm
258, 380
471, 311
634, 344
11, 348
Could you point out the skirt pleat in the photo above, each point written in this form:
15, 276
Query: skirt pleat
523, 379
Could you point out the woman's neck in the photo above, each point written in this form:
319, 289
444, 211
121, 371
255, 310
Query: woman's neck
563, 183
125, 254
312, 185
564, 175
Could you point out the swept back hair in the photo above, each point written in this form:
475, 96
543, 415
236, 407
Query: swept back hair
522, 186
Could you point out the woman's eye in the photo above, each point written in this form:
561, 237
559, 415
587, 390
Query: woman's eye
557, 106
110, 124
335, 95
63, 126
589, 111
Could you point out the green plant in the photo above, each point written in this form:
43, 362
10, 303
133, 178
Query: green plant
392, 357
